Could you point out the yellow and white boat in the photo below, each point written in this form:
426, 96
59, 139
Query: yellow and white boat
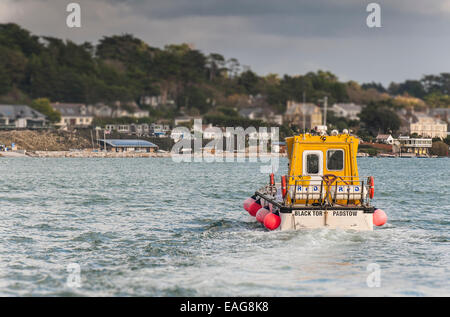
322, 188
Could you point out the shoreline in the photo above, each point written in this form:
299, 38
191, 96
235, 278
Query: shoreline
101, 154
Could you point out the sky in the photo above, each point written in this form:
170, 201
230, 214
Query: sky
270, 36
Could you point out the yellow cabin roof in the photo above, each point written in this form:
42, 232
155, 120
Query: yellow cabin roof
313, 156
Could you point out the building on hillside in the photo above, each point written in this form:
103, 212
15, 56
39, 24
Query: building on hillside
252, 113
277, 118
257, 100
126, 145
297, 113
142, 129
441, 113
128, 109
210, 132
100, 110
117, 110
266, 135
182, 120
155, 101
385, 138
185, 120
178, 135
426, 126
404, 116
119, 128
279, 147
415, 146
347, 110
73, 115
21, 117
159, 130
263, 114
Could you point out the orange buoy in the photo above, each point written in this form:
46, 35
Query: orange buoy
272, 221
262, 213
379, 217
371, 187
272, 180
254, 207
248, 202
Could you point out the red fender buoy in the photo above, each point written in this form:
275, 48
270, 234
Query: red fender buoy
253, 209
379, 217
262, 213
272, 221
248, 202
371, 187
283, 186
272, 180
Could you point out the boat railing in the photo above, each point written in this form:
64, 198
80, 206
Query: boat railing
331, 190
328, 189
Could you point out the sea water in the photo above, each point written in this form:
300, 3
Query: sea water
153, 227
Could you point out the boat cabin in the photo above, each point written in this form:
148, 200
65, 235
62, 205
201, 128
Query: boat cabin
322, 187
315, 156
321, 164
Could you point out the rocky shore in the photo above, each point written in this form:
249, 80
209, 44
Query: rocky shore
60, 144
45, 140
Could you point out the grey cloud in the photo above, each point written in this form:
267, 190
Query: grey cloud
279, 36
323, 18
177, 8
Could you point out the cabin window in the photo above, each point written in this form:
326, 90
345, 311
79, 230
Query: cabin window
312, 164
335, 160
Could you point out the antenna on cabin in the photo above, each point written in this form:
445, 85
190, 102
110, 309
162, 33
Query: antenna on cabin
325, 106
304, 115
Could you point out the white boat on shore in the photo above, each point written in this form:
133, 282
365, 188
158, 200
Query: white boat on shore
388, 155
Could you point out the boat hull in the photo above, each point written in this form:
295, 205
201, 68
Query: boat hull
307, 218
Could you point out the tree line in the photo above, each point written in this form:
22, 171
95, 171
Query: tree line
125, 68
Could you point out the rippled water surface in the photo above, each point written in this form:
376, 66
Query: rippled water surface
153, 227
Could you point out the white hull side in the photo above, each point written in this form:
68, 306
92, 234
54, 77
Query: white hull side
333, 219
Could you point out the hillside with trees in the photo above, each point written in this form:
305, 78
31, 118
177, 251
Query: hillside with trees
125, 68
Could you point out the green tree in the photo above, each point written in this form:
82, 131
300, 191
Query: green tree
447, 140
216, 65
43, 106
439, 148
377, 117
229, 112
373, 85
12, 68
194, 97
249, 80
5, 83
437, 83
411, 87
438, 100
16, 38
